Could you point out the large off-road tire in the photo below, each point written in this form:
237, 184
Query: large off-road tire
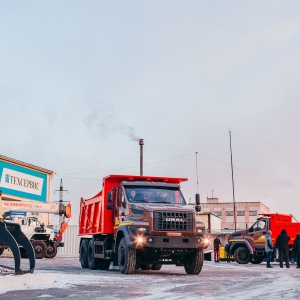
126, 258
1, 250
257, 260
39, 248
83, 253
93, 263
51, 251
156, 267
242, 255
195, 262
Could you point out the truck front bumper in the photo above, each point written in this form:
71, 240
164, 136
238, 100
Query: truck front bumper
170, 242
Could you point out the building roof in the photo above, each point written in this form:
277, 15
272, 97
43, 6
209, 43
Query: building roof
23, 164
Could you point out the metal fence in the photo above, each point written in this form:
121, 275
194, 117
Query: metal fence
71, 240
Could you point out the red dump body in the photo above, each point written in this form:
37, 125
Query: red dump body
94, 216
281, 221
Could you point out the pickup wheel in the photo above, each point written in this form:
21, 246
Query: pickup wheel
242, 255
126, 258
195, 262
39, 248
156, 267
83, 254
51, 251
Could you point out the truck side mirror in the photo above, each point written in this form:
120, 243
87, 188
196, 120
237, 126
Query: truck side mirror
198, 206
109, 197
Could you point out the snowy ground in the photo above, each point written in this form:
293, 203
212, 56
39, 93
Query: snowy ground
63, 278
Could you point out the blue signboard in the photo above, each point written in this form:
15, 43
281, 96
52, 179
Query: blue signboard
22, 182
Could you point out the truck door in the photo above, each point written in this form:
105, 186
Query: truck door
119, 207
258, 231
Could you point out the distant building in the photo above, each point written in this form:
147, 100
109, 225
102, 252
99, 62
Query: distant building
246, 212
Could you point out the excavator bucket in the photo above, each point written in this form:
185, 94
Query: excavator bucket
12, 236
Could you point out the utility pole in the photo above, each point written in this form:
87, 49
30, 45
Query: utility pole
61, 191
234, 207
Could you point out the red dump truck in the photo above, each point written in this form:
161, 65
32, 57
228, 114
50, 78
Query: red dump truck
249, 245
140, 222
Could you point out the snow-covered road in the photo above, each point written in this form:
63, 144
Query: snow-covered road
63, 278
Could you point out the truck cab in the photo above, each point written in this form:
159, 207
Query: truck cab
249, 245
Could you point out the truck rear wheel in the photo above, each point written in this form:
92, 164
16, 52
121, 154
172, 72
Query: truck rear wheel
83, 254
51, 251
242, 255
126, 258
195, 262
39, 248
93, 263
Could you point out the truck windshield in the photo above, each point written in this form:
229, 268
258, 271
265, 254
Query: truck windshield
154, 195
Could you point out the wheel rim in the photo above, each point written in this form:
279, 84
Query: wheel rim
243, 255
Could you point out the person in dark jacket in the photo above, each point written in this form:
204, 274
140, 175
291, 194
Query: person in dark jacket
282, 243
296, 249
217, 243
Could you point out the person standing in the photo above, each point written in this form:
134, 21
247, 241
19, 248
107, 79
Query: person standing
296, 249
282, 243
269, 247
217, 243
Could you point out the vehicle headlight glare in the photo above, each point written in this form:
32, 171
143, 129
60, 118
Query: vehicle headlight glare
140, 240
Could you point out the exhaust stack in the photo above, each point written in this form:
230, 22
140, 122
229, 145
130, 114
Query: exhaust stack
141, 143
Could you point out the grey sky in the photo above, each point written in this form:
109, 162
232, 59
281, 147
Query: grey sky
81, 80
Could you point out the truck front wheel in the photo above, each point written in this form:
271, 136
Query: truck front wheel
242, 255
195, 262
39, 249
83, 254
126, 258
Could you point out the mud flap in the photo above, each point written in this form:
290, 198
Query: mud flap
11, 234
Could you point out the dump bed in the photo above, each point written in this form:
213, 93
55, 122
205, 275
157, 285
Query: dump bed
95, 217
282, 221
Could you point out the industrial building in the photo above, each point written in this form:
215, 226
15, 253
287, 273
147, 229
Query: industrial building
25, 184
246, 212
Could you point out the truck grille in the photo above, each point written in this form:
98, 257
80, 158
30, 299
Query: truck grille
173, 221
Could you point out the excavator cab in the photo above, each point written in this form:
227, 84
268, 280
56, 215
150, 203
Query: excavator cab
11, 237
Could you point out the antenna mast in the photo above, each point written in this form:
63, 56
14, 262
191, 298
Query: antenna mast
234, 208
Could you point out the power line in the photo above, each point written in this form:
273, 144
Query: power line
68, 175
265, 142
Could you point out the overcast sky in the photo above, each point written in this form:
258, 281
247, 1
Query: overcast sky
81, 81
